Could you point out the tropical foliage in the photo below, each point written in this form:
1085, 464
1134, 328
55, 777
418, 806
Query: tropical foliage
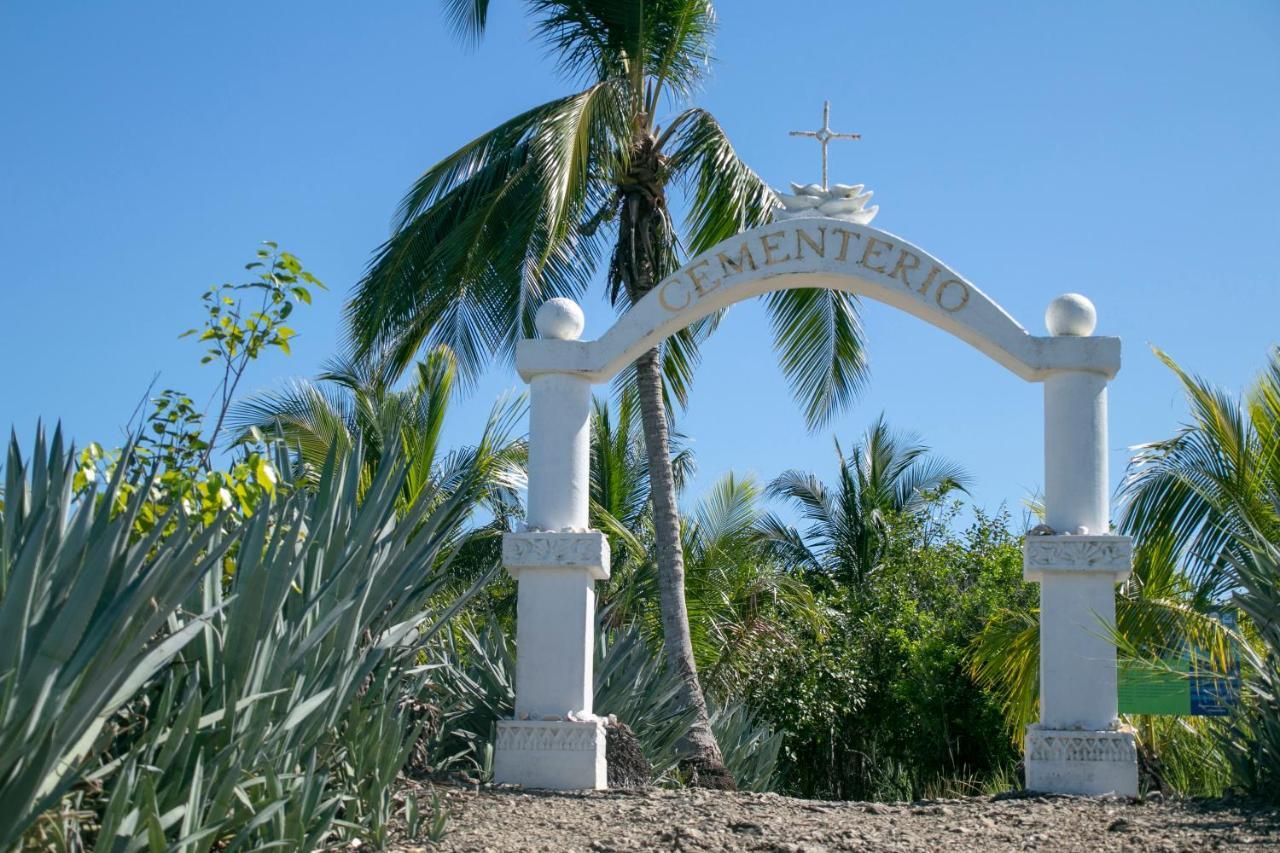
886, 474
881, 706
82, 608
354, 401
265, 677
265, 680
1210, 495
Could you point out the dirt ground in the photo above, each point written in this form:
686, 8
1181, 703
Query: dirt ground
502, 820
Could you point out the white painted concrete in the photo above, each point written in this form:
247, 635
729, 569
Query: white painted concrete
559, 448
1071, 314
554, 742
1076, 485
829, 254
1076, 748
559, 756
1089, 764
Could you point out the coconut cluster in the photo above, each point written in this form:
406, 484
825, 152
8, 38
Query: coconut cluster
841, 201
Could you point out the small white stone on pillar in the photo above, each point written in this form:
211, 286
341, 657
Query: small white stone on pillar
1078, 746
555, 741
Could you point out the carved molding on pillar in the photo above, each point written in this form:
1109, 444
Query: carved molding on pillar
1077, 554
1066, 745
541, 736
535, 549
556, 755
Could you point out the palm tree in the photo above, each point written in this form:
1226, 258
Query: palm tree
522, 213
353, 401
1209, 488
885, 474
744, 600
1210, 495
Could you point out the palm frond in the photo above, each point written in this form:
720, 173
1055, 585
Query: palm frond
819, 340
467, 17
727, 514
727, 196
488, 234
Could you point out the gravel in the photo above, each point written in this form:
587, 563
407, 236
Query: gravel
655, 819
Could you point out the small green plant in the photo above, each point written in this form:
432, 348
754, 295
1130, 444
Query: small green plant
172, 454
244, 319
435, 828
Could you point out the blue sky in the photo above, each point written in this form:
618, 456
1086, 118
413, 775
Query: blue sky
1126, 150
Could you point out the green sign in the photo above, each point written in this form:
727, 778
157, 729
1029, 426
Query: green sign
1147, 688
1175, 686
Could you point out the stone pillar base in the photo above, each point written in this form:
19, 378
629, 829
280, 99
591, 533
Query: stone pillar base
1086, 763
560, 756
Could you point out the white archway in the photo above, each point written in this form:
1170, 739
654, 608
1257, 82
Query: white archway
1077, 747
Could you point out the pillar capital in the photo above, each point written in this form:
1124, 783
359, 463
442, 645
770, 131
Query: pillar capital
1076, 554
557, 549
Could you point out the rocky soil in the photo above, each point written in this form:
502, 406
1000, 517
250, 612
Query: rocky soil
502, 820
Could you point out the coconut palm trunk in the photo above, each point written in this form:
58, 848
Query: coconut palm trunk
641, 257
705, 765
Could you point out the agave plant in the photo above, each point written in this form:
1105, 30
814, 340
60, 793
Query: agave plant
286, 709
82, 611
750, 746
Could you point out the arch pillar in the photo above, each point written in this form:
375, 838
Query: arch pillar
1078, 746
555, 741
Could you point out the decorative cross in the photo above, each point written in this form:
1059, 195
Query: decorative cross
824, 136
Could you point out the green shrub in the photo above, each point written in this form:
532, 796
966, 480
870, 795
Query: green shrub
884, 706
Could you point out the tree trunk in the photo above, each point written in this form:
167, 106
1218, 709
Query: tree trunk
704, 763
644, 252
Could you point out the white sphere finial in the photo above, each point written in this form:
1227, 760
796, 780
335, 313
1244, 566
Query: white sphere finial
1071, 314
560, 319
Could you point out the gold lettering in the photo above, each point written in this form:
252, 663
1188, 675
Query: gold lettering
844, 241
662, 296
819, 249
699, 280
964, 295
731, 267
923, 289
870, 250
770, 248
902, 267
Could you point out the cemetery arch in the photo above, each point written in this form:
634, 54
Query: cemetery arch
1077, 747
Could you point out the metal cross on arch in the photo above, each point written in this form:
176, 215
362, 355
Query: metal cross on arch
824, 135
